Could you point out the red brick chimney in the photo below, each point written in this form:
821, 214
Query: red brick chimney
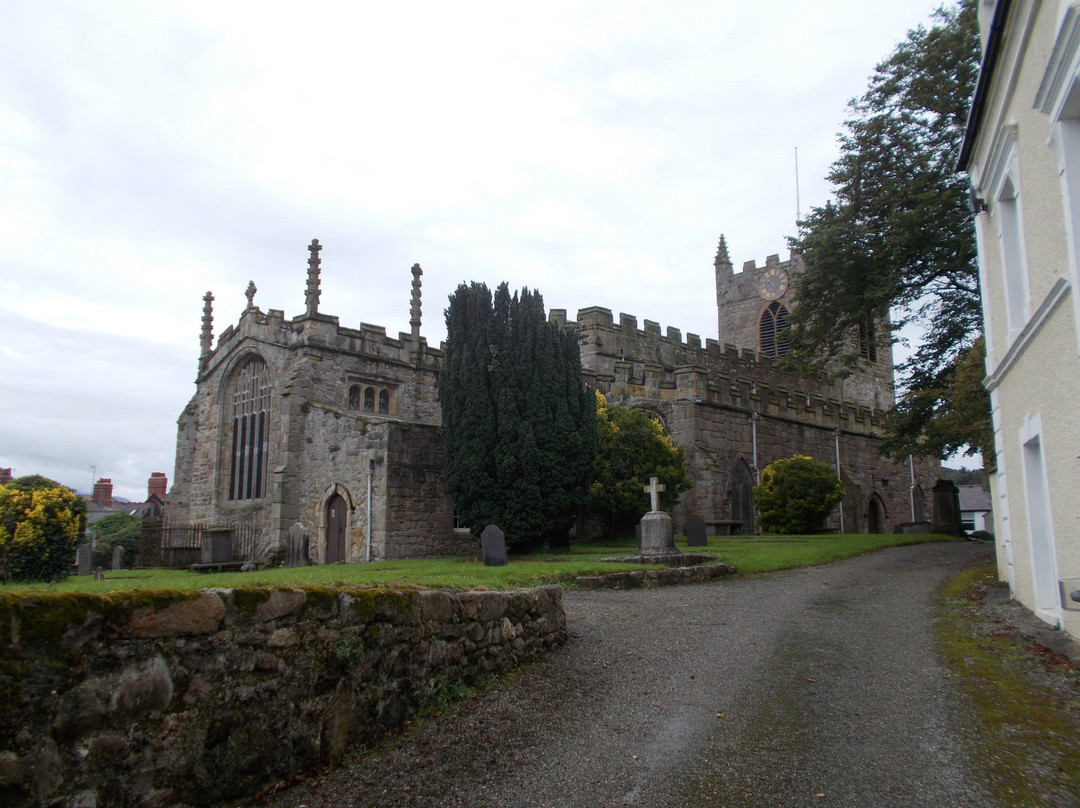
157, 484
103, 492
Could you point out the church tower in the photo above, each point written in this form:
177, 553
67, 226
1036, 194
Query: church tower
753, 309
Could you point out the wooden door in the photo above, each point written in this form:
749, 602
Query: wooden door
336, 520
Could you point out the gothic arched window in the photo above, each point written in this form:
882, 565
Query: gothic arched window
250, 403
369, 399
772, 330
354, 397
384, 402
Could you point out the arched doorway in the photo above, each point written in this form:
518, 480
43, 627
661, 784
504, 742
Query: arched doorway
337, 517
875, 515
742, 497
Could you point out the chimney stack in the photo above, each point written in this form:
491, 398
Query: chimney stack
103, 492
157, 484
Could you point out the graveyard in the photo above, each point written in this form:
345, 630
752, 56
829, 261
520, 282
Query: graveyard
748, 554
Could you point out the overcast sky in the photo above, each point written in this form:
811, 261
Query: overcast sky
595, 151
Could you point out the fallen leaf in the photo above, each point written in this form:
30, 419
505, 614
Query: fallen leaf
719, 715
819, 796
810, 680
636, 757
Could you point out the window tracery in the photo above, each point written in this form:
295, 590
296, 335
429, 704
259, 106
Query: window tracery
250, 410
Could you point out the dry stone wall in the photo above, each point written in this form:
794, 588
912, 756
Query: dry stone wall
193, 698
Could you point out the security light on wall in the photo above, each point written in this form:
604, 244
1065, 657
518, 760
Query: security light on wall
976, 203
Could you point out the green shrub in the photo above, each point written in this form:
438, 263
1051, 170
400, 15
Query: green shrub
634, 447
796, 495
41, 522
121, 529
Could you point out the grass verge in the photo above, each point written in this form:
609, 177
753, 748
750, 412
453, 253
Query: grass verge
750, 554
1026, 696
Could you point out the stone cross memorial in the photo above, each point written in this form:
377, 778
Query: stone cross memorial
117, 558
654, 489
656, 531
493, 546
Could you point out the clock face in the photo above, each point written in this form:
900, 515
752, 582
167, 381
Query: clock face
773, 283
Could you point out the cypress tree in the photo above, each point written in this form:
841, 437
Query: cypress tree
519, 427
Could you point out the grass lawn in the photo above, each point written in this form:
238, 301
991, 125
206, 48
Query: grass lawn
750, 554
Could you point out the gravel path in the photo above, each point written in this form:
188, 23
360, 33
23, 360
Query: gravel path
814, 687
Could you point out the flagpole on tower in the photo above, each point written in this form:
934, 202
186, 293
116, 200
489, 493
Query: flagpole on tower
798, 204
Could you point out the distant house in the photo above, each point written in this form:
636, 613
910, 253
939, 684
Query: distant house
102, 503
976, 512
1022, 152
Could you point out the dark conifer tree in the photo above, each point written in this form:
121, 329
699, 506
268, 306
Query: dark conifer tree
519, 426
899, 237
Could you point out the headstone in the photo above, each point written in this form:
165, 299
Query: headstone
946, 509
117, 558
84, 559
695, 531
296, 547
216, 546
493, 546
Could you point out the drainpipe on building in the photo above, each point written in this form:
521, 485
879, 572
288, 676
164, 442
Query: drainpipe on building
911, 489
753, 438
839, 476
371, 473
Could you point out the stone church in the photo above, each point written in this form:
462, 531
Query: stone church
304, 420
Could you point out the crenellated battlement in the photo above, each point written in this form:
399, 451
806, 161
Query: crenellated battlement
321, 330
650, 363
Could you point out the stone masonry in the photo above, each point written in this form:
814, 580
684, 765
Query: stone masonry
193, 698
306, 421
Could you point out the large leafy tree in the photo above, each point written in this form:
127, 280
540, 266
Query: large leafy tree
633, 448
899, 237
519, 426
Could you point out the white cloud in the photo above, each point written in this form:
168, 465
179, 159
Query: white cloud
595, 151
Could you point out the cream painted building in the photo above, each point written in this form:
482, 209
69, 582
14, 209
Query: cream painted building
1022, 152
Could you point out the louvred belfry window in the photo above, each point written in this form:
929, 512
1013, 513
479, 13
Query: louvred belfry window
250, 430
867, 342
772, 330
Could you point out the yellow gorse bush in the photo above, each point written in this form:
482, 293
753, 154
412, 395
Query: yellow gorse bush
39, 530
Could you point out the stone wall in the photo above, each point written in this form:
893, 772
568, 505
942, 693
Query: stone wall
192, 698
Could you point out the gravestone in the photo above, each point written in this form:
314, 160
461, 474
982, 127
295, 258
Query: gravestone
84, 559
695, 531
946, 509
117, 558
493, 546
657, 535
296, 547
216, 546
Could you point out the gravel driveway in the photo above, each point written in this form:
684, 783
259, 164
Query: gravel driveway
813, 687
